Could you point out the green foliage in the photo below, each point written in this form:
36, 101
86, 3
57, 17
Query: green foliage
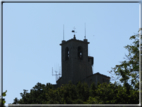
2, 101
4, 93
129, 68
79, 94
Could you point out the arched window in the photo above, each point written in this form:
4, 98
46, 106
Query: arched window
80, 52
66, 53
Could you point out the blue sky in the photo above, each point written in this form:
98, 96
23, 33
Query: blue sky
32, 33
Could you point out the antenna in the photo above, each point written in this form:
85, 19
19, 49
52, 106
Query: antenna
85, 32
56, 74
59, 72
88, 51
63, 32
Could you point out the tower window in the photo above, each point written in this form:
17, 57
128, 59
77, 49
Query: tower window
66, 53
80, 53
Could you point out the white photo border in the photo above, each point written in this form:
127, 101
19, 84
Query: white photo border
72, 1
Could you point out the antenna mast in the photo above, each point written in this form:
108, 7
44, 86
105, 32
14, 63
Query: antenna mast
63, 32
59, 72
56, 74
85, 32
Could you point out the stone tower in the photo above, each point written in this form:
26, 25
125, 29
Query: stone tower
76, 64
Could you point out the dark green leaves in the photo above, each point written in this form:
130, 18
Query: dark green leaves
2, 101
81, 94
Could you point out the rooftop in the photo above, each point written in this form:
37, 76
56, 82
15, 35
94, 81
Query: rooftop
74, 39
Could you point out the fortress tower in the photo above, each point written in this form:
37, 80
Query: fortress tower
77, 65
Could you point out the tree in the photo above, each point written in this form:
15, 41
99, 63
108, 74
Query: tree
115, 94
80, 94
2, 100
37, 95
129, 68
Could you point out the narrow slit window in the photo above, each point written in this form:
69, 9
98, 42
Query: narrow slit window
67, 53
80, 53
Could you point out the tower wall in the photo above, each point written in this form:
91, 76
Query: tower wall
75, 69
